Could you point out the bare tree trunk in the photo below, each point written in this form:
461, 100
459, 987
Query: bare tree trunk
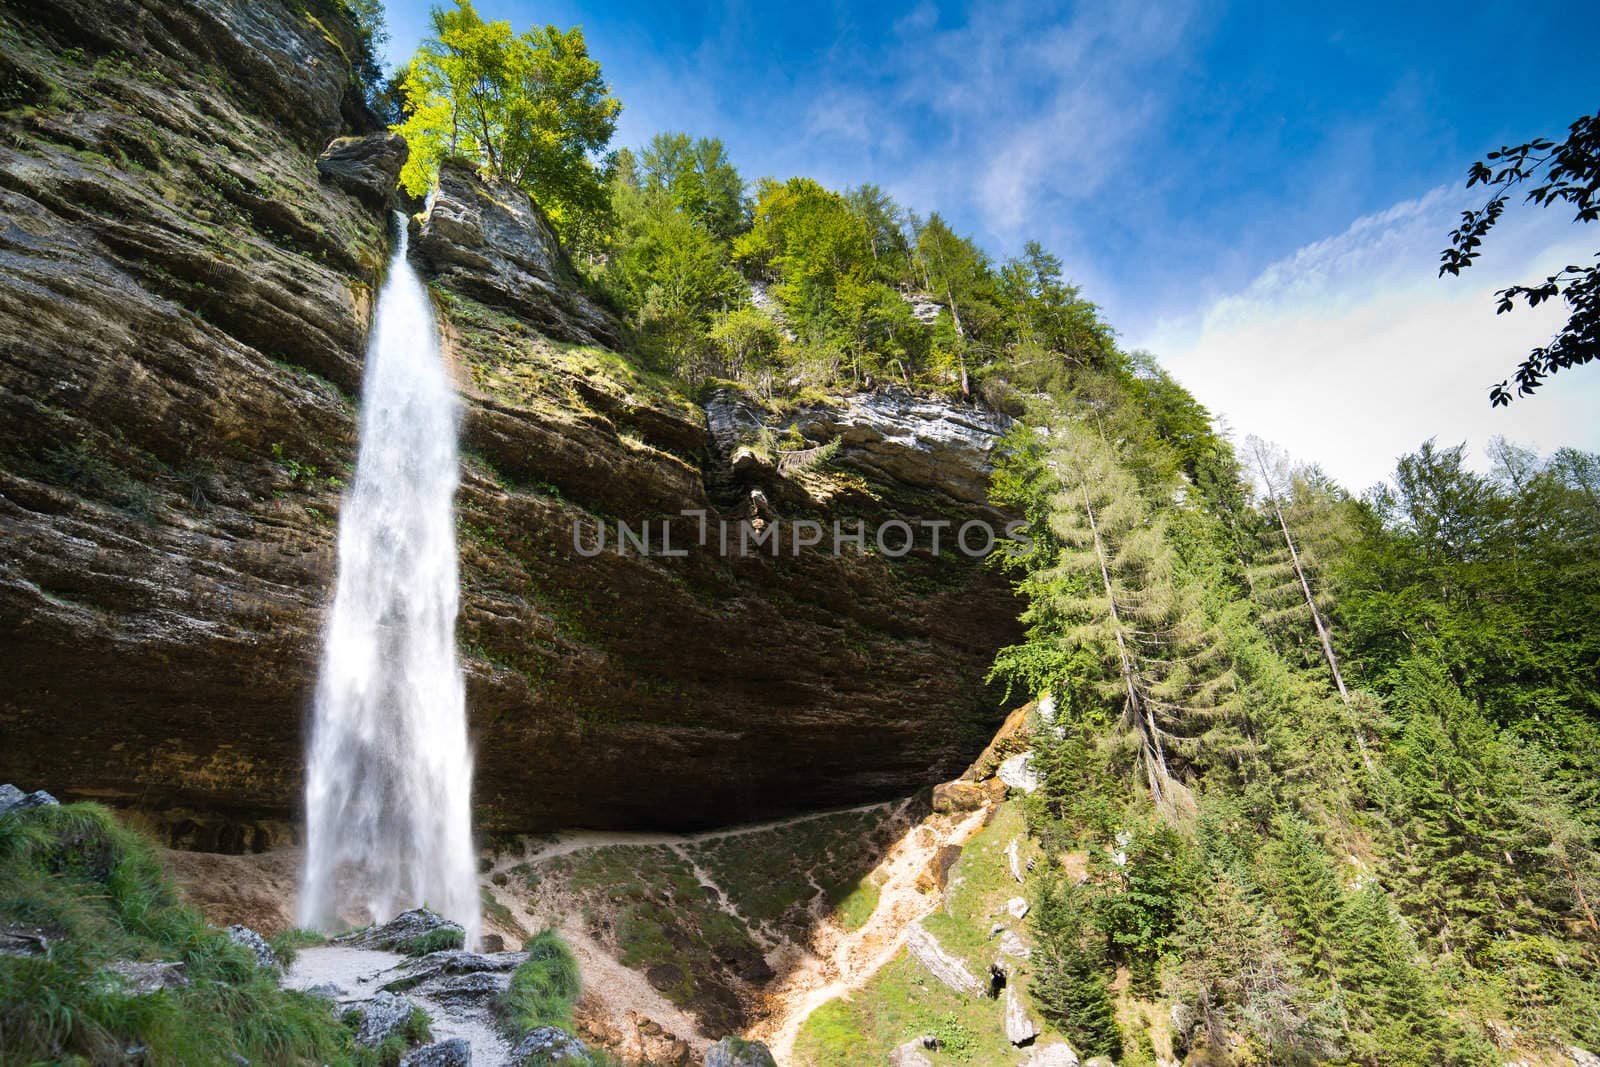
1577, 888
1136, 704
1311, 603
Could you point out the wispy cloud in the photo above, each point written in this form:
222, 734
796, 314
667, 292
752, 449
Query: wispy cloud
1040, 111
1351, 351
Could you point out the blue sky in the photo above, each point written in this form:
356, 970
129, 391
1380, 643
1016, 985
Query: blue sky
1255, 192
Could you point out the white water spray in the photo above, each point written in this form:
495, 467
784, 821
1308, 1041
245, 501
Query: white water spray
388, 770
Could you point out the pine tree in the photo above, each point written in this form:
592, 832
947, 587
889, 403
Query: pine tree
1114, 589
1307, 894
1069, 973
1397, 1017
1236, 978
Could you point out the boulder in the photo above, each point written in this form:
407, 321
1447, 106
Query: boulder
952, 972
1017, 773
453, 1053
406, 933
469, 989
1013, 946
367, 167
966, 796
490, 241
1014, 859
936, 875
914, 1052
549, 1045
1017, 908
1020, 1027
382, 1017
1056, 1054
437, 966
13, 799
1582, 1057
737, 1052
142, 978
248, 938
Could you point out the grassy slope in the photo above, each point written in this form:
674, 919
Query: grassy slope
96, 891
903, 1002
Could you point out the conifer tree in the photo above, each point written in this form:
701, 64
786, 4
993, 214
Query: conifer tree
1069, 973
1114, 590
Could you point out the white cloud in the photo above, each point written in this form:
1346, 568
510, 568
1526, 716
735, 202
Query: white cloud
1351, 351
1038, 111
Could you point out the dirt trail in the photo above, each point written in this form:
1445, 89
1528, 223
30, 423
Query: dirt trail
840, 961
618, 992
621, 993
569, 841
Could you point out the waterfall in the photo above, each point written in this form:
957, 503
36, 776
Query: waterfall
388, 769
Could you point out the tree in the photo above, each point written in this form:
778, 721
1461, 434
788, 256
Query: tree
747, 343
1111, 604
530, 109
699, 178
1235, 976
366, 70
954, 268
1262, 580
885, 239
1069, 984
1569, 173
674, 277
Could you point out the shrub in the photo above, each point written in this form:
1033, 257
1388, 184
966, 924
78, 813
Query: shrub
544, 989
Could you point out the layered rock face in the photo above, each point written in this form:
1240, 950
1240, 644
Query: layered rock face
185, 303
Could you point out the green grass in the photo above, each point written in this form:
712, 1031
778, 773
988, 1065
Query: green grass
857, 906
899, 1004
902, 1001
288, 943
445, 937
99, 893
980, 884
544, 989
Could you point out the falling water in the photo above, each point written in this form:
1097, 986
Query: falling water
389, 773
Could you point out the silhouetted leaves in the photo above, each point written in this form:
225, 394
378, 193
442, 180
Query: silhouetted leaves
1571, 174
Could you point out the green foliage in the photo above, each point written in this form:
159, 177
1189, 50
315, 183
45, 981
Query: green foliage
1569, 174
98, 892
528, 108
437, 940
1323, 878
698, 178
673, 275
1069, 982
544, 989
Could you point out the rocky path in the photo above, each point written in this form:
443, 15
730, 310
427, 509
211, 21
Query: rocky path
622, 995
357, 976
840, 961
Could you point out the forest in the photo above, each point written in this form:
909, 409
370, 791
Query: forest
1333, 756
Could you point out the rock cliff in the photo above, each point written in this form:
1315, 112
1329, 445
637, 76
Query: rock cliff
185, 300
